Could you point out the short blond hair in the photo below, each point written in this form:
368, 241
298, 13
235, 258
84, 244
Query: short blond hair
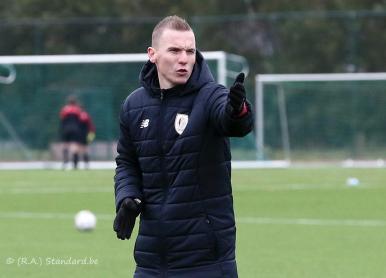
173, 22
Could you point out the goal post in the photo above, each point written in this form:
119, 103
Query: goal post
34, 87
331, 85
222, 58
7, 74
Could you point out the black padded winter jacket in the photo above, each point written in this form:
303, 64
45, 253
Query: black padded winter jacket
174, 155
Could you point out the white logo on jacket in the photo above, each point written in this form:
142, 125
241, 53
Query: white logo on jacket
181, 122
144, 123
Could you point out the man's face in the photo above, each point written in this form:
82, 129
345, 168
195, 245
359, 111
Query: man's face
174, 55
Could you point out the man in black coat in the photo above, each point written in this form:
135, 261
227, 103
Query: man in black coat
174, 161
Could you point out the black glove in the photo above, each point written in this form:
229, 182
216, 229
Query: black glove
125, 219
237, 94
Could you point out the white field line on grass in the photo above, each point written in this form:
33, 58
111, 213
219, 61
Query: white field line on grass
47, 215
55, 190
110, 165
286, 187
312, 222
63, 189
241, 220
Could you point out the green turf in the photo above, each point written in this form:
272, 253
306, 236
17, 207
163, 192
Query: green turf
296, 223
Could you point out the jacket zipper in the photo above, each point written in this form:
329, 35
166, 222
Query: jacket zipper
164, 185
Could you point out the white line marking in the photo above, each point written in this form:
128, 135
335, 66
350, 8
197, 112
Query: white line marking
241, 220
56, 190
46, 215
313, 222
63, 190
297, 187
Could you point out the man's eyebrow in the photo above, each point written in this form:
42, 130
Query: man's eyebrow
175, 48
181, 48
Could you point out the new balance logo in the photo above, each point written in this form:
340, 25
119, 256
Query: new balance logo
144, 123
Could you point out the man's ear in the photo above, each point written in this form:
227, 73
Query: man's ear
151, 53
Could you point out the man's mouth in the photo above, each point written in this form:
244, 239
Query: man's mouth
182, 71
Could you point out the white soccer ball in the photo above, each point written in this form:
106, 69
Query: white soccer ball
352, 181
85, 220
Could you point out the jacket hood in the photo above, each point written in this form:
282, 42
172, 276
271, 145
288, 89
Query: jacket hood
200, 76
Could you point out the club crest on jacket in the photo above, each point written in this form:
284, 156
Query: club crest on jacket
144, 123
181, 122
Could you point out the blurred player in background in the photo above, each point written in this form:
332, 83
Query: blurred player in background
88, 135
71, 131
174, 161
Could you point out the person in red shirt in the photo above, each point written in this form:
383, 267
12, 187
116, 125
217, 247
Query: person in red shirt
71, 131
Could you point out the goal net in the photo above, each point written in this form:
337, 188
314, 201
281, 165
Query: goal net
321, 117
34, 88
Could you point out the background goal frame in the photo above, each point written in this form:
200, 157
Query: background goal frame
277, 79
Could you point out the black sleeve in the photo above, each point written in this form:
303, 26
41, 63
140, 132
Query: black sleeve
221, 117
128, 177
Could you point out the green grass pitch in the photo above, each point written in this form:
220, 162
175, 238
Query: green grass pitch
296, 222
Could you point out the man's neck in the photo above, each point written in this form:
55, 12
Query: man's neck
164, 85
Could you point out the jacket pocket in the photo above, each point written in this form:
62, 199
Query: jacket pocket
211, 235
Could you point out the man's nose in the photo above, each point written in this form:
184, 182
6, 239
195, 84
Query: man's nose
183, 57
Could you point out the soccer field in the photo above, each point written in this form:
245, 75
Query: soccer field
294, 222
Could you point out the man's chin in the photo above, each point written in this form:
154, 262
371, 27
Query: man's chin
181, 80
